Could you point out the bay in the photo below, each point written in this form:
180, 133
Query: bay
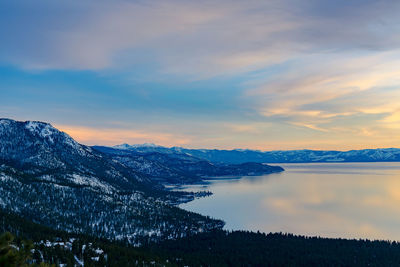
347, 200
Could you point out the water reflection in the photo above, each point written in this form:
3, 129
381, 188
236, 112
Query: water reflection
353, 200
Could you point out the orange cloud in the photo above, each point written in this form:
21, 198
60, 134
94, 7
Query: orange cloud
107, 136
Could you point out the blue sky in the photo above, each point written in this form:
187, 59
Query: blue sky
286, 74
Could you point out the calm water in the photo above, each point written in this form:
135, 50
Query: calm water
352, 200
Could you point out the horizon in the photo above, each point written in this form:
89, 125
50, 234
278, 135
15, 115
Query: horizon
198, 148
263, 75
157, 145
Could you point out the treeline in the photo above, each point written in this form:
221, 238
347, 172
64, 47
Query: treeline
217, 248
242, 248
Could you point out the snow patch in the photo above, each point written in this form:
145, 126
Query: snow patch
91, 181
5, 178
5, 122
44, 130
127, 146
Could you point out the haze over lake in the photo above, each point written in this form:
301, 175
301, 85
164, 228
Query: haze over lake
347, 200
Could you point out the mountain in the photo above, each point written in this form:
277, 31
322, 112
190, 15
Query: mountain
127, 146
173, 167
154, 165
51, 179
39, 149
238, 156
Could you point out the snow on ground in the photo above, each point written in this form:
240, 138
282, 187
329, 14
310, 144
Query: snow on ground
91, 181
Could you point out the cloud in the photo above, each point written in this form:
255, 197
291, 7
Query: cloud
321, 94
113, 136
252, 73
252, 128
191, 37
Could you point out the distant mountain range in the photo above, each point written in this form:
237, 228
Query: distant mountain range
238, 156
174, 167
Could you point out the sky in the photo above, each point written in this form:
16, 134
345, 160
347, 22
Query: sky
268, 75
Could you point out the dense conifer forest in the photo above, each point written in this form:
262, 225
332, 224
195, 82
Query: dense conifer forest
217, 248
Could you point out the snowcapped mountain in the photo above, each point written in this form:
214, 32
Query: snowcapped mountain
38, 143
39, 148
49, 178
144, 145
238, 156
146, 148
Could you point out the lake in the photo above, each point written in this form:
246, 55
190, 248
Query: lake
349, 200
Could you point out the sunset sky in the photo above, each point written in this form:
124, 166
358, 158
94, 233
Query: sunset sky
278, 74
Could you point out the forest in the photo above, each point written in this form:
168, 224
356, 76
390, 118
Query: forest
216, 248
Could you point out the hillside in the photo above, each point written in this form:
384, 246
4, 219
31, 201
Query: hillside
48, 177
170, 167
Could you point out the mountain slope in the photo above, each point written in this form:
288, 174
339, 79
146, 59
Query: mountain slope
40, 149
48, 177
170, 167
149, 165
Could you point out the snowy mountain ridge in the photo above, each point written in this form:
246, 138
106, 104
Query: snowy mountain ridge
237, 156
127, 146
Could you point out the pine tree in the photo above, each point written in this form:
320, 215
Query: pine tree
12, 255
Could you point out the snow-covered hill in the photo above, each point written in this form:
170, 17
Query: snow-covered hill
49, 178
